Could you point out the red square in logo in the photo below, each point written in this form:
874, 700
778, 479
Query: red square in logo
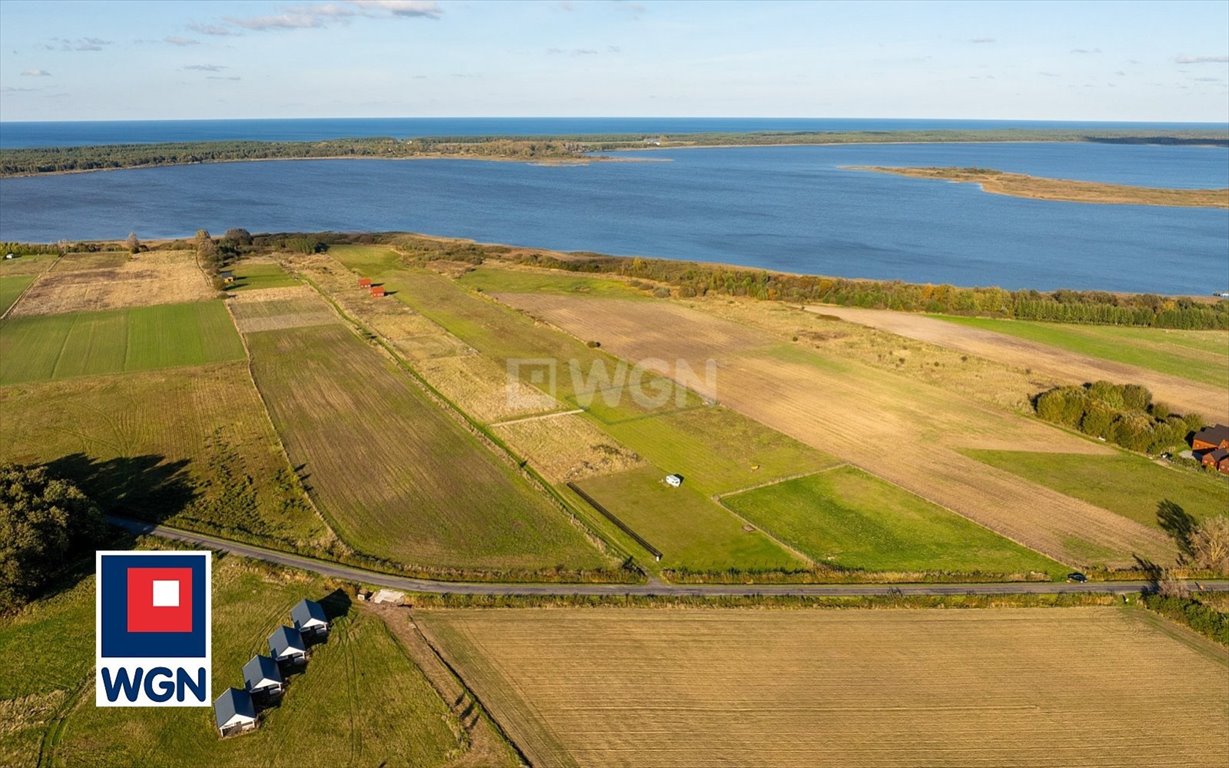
159, 599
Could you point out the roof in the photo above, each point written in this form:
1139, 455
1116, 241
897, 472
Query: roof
231, 704
308, 612
226, 274
258, 670
284, 639
1218, 455
1213, 434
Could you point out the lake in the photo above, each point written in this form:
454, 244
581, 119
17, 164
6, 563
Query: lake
785, 208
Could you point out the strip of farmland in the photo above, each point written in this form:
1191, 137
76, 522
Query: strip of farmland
397, 477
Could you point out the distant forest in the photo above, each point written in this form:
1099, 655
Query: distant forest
33, 161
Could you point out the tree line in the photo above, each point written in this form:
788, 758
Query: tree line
1064, 306
1123, 414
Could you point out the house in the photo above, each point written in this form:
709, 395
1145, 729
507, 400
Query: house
227, 277
1211, 438
674, 481
234, 713
310, 620
377, 291
262, 679
1217, 459
364, 282
287, 648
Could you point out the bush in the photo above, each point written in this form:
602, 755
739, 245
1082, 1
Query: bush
1189, 611
1124, 414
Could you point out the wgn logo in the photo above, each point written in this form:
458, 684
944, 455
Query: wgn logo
152, 623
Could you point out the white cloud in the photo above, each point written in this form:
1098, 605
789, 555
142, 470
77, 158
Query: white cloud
182, 42
35, 73
204, 67
1202, 59
317, 15
1086, 51
217, 30
982, 40
428, 8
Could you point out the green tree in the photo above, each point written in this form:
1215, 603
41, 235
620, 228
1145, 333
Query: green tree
45, 522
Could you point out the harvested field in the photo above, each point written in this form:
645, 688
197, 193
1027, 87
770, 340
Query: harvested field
362, 701
480, 387
501, 278
777, 688
98, 281
398, 477
848, 519
116, 341
1081, 353
567, 447
691, 530
191, 446
857, 413
273, 309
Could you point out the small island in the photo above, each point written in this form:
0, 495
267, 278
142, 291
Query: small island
1041, 188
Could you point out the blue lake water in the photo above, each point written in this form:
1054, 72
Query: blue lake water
59, 134
786, 208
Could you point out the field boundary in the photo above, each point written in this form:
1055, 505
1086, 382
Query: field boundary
537, 417
30, 285
622, 526
717, 497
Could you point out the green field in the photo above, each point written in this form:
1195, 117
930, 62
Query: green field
397, 476
11, 287
690, 529
505, 280
849, 519
361, 701
1124, 483
191, 446
116, 341
1201, 356
253, 276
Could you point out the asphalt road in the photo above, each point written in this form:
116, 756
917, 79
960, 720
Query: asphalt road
375, 578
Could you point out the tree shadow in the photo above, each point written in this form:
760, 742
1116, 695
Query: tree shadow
1152, 572
149, 487
1175, 521
335, 604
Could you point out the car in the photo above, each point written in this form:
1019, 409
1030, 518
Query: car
1077, 577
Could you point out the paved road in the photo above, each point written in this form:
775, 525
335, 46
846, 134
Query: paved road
375, 578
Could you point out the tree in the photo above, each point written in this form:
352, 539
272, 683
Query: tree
238, 236
132, 243
1209, 544
44, 523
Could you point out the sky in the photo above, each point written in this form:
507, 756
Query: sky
1153, 61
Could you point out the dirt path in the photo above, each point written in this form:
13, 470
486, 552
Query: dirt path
1068, 367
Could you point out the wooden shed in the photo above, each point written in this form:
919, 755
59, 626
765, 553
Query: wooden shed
377, 291
234, 713
364, 282
309, 618
1217, 459
262, 679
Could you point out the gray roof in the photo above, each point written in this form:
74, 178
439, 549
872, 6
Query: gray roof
233, 702
306, 611
1213, 434
286, 638
258, 669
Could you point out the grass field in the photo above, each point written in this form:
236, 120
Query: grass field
691, 530
1124, 483
11, 287
116, 341
1201, 356
258, 275
497, 279
398, 477
361, 701
847, 518
189, 445
780, 688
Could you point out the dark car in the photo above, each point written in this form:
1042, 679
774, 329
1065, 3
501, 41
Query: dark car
1077, 577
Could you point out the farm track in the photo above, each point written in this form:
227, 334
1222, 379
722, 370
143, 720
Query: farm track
376, 578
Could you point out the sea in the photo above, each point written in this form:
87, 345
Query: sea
791, 208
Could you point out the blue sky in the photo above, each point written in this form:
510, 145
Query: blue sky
1166, 61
